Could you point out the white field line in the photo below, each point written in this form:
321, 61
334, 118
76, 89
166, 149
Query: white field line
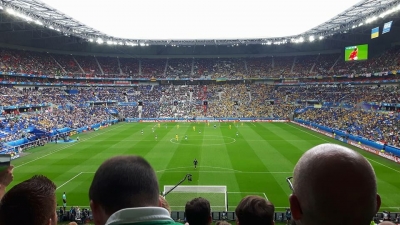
253, 124
335, 139
62, 148
238, 192
213, 171
188, 167
190, 139
213, 167
265, 196
68, 181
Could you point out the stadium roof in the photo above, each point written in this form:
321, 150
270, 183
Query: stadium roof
37, 12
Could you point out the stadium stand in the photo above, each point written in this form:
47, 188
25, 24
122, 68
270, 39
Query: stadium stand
340, 102
259, 67
153, 68
129, 66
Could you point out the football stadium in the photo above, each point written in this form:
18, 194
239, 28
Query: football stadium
227, 117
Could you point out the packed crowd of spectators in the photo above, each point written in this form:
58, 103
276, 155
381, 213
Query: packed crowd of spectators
42, 63
88, 64
109, 65
27, 62
179, 67
303, 65
259, 67
282, 66
203, 67
153, 68
89, 106
68, 64
325, 63
129, 67
369, 124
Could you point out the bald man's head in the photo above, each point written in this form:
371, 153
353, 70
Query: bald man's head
387, 223
334, 185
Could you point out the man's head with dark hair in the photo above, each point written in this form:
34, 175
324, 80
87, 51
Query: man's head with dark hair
254, 210
198, 212
31, 202
333, 184
122, 182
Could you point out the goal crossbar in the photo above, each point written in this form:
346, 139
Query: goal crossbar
196, 189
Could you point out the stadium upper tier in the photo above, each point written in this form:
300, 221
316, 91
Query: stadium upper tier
302, 66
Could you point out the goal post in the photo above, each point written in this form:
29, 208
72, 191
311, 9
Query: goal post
178, 197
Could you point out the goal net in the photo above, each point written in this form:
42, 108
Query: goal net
216, 195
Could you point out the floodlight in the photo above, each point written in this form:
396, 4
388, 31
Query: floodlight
99, 41
360, 24
90, 39
354, 26
10, 11
1, 7
38, 22
58, 30
120, 43
109, 42
301, 39
369, 20
51, 27
311, 38
321, 37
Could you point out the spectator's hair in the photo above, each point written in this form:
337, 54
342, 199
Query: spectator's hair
30, 202
72, 223
124, 182
164, 204
253, 210
198, 211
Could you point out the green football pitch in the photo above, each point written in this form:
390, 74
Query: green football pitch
254, 162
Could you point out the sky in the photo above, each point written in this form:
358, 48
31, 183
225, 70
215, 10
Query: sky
201, 19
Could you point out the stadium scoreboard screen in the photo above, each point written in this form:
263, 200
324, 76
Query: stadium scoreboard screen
356, 53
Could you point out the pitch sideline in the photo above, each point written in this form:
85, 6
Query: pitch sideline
62, 148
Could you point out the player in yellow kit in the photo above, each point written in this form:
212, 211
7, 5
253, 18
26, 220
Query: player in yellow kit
230, 126
159, 125
176, 137
177, 126
194, 128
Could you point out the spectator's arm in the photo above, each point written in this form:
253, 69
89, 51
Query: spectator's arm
6, 176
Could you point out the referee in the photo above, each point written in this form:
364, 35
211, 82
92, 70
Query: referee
195, 163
